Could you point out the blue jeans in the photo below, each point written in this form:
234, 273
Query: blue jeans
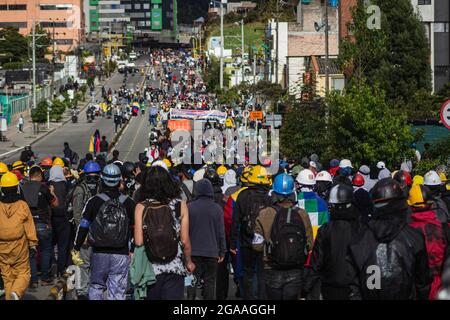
44, 235
153, 121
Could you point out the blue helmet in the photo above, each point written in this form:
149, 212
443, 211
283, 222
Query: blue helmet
283, 184
92, 167
111, 175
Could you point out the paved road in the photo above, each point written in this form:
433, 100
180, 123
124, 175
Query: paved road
78, 134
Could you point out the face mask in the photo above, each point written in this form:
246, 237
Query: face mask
92, 183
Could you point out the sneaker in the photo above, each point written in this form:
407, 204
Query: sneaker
14, 296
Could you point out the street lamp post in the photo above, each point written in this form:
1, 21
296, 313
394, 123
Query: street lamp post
327, 53
221, 44
243, 67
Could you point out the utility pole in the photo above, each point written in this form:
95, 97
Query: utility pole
243, 51
327, 53
53, 75
221, 44
34, 65
277, 42
254, 67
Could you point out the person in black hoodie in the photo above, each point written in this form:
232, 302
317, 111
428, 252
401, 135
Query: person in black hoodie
60, 220
207, 233
388, 259
328, 267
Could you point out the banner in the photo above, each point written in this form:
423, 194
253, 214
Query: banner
174, 125
198, 115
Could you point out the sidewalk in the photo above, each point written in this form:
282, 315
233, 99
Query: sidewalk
16, 141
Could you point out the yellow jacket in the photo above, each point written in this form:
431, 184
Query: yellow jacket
17, 231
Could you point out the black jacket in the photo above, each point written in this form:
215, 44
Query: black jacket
391, 251
206, 225
328, 259
239, 213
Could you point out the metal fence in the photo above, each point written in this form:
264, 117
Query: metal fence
13, 106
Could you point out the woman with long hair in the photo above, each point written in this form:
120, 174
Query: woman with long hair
160, 190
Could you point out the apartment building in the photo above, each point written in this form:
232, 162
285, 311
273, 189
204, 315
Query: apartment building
435, 15
103, 14
62, 18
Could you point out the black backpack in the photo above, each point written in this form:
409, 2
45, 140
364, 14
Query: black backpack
161, 238
287, 246
111, 226
256, 201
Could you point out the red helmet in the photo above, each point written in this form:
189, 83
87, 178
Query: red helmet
403, 177
46, 162
358, 180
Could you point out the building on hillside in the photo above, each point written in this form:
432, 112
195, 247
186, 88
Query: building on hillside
239, 7
63, 19
345, 17
315, 75
300, 40
435, 15
105, 17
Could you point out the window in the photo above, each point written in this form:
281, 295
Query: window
64, 41
13, 24
17, 7
146, 6
441, 27
424, 2
128, 6
137, 6
3, 7
56, 24
56, 6
338, 84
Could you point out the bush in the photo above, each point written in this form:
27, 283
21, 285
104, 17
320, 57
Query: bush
58, 108
426, 165
13, 65
39, 114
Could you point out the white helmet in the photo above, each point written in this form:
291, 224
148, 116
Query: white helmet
306, 178
431, 178
381, 165
345, 163
324, 176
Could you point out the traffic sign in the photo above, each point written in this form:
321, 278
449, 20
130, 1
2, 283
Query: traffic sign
445, 114
256, 115
246, 114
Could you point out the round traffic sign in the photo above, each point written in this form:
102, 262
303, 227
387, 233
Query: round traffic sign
246, 114
445, 114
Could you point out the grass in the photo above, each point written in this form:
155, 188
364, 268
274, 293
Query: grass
251, 36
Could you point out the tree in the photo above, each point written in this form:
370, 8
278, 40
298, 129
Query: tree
365, 128
396, 57
15, 46
303, 131
42, 42
212, 77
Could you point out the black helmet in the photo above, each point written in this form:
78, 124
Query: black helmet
211, 175
340, 194
128, 169
386, 190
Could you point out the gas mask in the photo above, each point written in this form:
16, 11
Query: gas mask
92, 183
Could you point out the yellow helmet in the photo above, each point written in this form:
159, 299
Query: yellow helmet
9, 179
419, 196
18, 165
167, 162
245, 173
259, 175
3, 168
58, 162
221, 170
417, 180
